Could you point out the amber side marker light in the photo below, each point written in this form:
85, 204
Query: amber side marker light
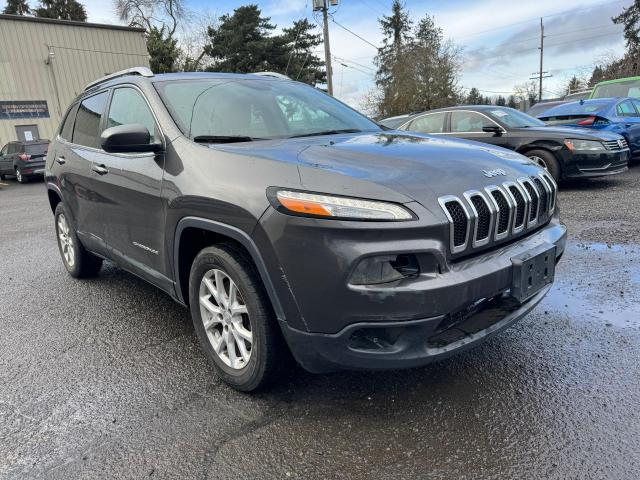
314, 204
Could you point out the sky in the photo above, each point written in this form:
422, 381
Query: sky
499, 38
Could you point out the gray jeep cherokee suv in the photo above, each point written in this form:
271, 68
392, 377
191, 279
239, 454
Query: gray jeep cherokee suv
289, 223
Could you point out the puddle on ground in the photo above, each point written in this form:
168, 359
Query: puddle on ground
602, 288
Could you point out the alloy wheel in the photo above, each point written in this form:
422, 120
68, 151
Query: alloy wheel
540, 161
66, 241
225, 318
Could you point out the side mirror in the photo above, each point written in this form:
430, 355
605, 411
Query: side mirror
131, 138
495, 129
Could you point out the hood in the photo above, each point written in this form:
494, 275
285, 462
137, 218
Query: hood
578, 133
383, 165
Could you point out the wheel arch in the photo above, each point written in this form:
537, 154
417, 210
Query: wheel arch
55, 197
194, 233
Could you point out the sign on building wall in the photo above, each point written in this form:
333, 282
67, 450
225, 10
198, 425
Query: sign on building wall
23, 109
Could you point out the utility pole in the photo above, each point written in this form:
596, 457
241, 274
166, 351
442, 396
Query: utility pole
323, 5
540, 74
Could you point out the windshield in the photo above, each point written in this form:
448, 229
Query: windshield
515, 119
223, 109
628, 88
577, 108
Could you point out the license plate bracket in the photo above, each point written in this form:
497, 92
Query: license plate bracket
532, 271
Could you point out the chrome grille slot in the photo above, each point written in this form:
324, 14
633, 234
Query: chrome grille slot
544, 197
459, 220
533, 200
553, 189
483, 219
504, 212
521, 207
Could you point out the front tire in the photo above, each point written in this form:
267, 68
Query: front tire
548, 161
19, 177
233, 318
78, 262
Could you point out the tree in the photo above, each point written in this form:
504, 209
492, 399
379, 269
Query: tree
244, 43
301, 40
417, 68
61, 10
527, 93
574, 85
17, 7
474, 97
501, 101
512, 102
163, 50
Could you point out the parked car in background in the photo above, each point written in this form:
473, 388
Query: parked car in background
617, 115
620, 87
564, 152
543, 106
582, 95
24, 160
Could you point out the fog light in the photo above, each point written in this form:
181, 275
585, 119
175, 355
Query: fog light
385, 269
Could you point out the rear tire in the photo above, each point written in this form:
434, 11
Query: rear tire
547, 161
78, 262
233, 318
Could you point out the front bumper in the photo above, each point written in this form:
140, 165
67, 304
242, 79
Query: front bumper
413, 322
598, 164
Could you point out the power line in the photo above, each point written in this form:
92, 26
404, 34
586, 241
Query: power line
597, 5
353, 33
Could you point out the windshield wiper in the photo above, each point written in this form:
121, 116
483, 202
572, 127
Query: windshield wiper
327, 132
223, 139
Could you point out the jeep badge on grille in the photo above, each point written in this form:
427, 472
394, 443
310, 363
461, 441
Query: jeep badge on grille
493, 173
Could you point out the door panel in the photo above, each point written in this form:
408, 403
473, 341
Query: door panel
129, 187
77, 182
5, 162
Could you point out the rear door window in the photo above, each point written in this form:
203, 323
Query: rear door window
86, 130
432, 123
626, 109
469, 122
128, 107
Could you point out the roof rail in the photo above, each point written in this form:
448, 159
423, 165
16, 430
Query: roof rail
272, 74
143, 71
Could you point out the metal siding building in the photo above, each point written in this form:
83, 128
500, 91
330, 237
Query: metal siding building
45, 63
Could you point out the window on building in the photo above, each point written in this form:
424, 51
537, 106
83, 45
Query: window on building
86, 130
469, 122
128, 107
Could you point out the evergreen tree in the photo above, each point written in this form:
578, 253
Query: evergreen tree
417, 69
301, 64
163, 50
474, 97
575, 85
17, 7
501, 101
62, 10
512, 102
242, 42
394, 71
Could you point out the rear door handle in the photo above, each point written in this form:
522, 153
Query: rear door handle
61, 160
100, 169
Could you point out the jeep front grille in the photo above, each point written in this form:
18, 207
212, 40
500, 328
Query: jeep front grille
499, 211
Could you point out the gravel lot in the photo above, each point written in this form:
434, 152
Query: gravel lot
104, 378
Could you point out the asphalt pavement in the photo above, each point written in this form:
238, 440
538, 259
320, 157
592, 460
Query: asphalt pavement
104, 378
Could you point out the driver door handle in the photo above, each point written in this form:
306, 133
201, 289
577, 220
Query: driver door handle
61, 160
100, 169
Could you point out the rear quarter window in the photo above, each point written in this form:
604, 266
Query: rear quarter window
86, 130
66, 130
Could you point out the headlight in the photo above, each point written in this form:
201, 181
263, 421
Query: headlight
318, 205
584, 145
